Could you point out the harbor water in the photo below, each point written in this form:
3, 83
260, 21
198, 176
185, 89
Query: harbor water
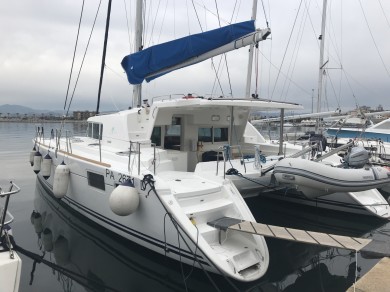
63, 251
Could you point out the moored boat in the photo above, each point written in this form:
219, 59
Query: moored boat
10, 262
134, 171
306, 176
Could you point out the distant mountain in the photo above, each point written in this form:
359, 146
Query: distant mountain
13, 109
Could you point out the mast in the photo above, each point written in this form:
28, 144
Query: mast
104, 55
321, 65
137, 89
250, 59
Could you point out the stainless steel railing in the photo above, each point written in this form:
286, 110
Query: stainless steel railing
135, 150
13, 189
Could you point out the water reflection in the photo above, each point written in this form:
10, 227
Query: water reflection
82, 253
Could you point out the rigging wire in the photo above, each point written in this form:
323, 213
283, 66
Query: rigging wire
74, 54
373, 39
285, 75
226, 62
148, 180
154, 23
294, 57
285, 52
234, 11
265, 14
334, 90
161, 27
217, 77
212, 59
211, 12
197, 16
82, 62
127, 23
298, 44
384, 14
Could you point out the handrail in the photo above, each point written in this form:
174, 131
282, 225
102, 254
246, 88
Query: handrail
4, 212
335, 150
138, 152
224, 151
294, 155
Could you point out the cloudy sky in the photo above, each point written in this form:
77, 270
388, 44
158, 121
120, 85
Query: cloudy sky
38, 39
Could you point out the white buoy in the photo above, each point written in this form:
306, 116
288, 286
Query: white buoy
47, 240
32, 153
37, 220
46, 166
61, 180
124, 199
61, 251
37, 162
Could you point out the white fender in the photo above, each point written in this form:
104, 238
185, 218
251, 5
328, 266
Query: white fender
61, 251
37, 162
46, 166
37, 221
124, 199
61, 180
47, 240
32, 153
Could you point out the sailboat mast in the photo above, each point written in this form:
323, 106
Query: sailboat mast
321, 65
250, 59
104, 55
137, 89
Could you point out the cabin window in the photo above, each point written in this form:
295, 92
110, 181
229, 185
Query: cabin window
213, 134
173, 134
95, 130
221, 134
89, 130
96, 180
156, 136
205, 134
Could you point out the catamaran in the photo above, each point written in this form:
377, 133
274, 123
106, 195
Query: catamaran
134, 171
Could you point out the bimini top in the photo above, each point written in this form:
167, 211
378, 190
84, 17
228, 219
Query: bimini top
218, 102
141, 64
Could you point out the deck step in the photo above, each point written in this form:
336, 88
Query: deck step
205, 205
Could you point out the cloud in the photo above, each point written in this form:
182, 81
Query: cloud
38, 41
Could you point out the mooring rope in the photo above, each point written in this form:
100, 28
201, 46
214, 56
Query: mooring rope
148, 180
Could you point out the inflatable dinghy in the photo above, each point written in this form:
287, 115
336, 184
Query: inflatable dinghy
315, 179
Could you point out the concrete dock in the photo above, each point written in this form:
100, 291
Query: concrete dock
377, 279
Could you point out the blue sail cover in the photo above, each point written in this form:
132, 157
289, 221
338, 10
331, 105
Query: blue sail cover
153, 59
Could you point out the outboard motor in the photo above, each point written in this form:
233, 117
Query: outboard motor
320, 140
357, 157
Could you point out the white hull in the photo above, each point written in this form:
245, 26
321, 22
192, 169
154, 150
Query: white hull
191, 200
10, 262
80, 247
10, 270
343, 202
